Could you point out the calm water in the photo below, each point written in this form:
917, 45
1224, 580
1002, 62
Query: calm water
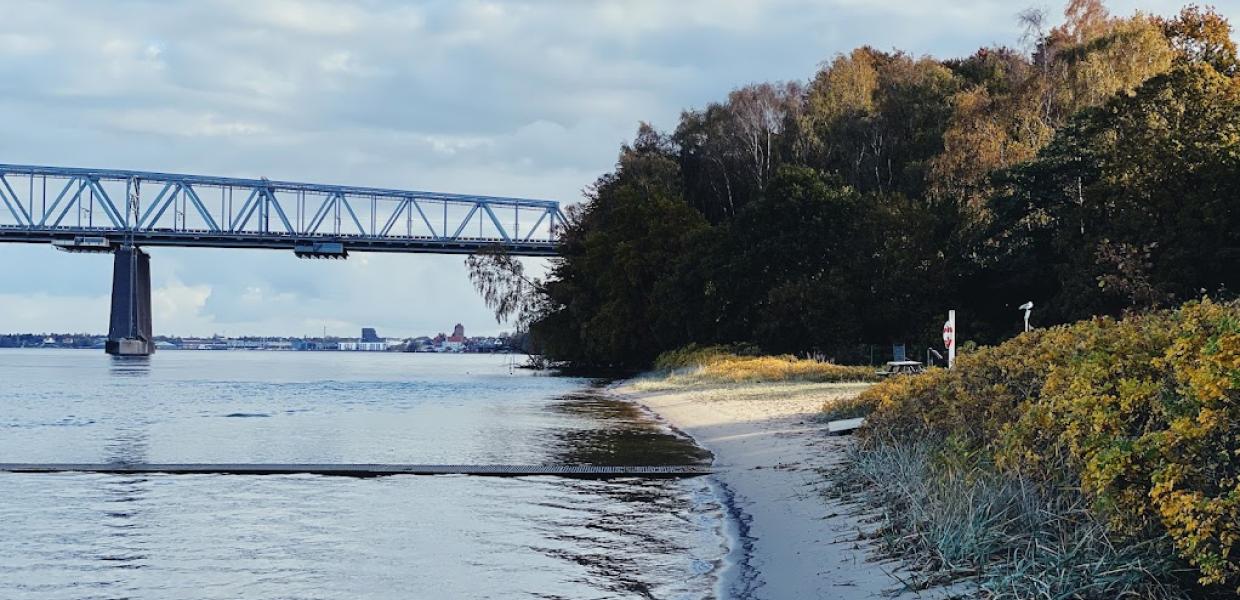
101, 536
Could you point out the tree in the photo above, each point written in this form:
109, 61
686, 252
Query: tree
877, 118
1012, 107
1134, 202
601, 307
995, 124
729, 151
501, 281
1204, 36
791, 245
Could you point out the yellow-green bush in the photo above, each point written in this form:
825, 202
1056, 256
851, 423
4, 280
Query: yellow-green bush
1142, 413
973, 402
1197, 483
726, 364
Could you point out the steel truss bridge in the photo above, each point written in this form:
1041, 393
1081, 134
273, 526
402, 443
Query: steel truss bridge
106, 210
57, 204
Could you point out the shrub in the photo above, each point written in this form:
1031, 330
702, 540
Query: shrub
845, 406
1141, 413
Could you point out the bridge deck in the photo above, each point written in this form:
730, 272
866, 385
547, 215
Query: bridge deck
279, 241
364, 470
107, 208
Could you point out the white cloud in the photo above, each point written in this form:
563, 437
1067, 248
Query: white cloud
339, 62
171, 122
46, 313
644, 16
304, 16
24, 44
180, 304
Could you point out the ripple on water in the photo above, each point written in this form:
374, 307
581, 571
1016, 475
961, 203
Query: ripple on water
215, 536
211, 536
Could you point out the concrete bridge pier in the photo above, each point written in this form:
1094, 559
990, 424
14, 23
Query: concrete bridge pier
129, 333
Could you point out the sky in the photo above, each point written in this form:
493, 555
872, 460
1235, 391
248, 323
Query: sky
527, 99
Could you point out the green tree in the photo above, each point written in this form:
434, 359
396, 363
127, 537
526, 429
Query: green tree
1134, 203
602, 308
792, 245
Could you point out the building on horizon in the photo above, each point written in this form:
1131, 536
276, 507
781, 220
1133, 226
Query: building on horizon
456, 341
369, 342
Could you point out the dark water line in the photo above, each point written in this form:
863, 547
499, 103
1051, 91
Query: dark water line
366, 470
739, 579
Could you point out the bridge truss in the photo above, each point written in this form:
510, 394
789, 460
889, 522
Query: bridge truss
79, 207
103, 210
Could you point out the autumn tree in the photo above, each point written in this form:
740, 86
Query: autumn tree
995, 124
877, 118
1010, 107
1202, 35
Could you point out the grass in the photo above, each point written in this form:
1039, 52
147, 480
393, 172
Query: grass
957, 520
718, 364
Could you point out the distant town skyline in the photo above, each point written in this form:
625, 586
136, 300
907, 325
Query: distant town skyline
529, 99
369, 340
380, 333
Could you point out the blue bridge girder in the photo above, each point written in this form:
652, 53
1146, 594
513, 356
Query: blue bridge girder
89, 208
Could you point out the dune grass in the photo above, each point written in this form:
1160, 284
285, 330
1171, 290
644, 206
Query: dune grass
1007, 537
720, 364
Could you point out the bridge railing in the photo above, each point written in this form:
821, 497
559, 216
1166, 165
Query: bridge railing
50, 199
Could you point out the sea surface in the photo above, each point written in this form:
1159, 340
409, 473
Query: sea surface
83, 536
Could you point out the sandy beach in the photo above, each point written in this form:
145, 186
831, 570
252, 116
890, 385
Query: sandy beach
770, 452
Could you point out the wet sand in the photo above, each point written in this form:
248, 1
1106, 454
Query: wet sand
770, 454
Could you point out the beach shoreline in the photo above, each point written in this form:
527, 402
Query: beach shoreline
771, 455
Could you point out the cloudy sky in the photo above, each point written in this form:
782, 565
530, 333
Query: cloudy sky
527, 99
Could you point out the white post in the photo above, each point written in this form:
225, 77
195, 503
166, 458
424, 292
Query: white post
949, 338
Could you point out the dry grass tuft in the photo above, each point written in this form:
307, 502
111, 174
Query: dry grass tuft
717, 364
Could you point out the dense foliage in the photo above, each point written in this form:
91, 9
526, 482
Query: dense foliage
1139, 414
1095, 171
